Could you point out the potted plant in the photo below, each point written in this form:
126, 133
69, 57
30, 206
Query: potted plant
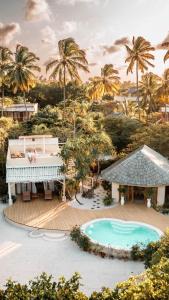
149, 192
122, 191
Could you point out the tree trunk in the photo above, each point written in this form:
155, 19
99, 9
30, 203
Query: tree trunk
138, 101
74, 126
26, 109
2, 108
64, 92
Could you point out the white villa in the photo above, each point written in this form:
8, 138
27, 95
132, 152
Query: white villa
140, 170
18, 112
33, 160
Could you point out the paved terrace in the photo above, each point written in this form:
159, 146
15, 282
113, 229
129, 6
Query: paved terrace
60, 216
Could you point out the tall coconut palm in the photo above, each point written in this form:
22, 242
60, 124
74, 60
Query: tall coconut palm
107, 83
65, 68
139, 56
5, 60
148, 88
21, 72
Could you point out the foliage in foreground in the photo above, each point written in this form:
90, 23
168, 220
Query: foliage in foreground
154, 251
153, 284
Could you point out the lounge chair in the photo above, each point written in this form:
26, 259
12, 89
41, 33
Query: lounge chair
26, 196
48, 195
34, 196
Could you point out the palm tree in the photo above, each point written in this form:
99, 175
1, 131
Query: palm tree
107, 83
65, 67
163, 91
148, 88
166, 56
21, 71
5, 60
139, 56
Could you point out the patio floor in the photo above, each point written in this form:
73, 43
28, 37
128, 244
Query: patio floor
60, 216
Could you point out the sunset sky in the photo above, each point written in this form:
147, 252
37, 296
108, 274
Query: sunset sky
99, 26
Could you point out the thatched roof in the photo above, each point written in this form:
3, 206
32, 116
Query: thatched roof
143, 167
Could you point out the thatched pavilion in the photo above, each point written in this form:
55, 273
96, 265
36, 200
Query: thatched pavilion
139, 171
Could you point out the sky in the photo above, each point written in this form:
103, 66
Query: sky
101, 27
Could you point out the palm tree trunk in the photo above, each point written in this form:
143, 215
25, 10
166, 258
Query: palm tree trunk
26, 109
74, 126
64, 92
2, 108
138, 101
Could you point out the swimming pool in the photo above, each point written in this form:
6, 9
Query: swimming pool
120, 234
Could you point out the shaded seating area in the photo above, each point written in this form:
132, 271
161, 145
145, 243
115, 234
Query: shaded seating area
141, 176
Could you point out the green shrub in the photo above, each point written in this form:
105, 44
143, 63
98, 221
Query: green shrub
162, 249
44, 288
149, 252
75, 234
137, 253
81, 239
84, 243
106, 185
108, 201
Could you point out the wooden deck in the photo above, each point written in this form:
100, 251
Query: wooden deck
54, 215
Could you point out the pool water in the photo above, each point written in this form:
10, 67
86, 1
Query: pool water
120, 234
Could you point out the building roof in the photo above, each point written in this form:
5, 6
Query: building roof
143, 167
31, 107
125, 98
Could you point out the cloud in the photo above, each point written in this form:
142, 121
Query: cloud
122, 41
8, 32
37, 10
110, 49
166, 40
69, 27
92, 64
73, 2
48, 35
123, 67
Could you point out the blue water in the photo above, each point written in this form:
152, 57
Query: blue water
119, 234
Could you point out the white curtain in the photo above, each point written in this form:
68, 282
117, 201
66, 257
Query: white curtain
34, 189
18, 188
29, 186
51, 186
45, 184
24, 187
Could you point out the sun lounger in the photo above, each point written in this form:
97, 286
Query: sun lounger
48, 195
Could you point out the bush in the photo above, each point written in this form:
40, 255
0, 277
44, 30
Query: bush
82, 240
88, 194
44, 288
108, 201
106, 185
149, 252
75, 234
137, 253
84, 243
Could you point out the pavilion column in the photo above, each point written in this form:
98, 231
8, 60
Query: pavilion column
64, 191
9, 194
13, 189
160, 195
115, 192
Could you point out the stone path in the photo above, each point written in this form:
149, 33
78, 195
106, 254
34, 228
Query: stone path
95, 203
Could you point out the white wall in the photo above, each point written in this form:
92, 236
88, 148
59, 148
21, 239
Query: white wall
160, 195
115, 192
